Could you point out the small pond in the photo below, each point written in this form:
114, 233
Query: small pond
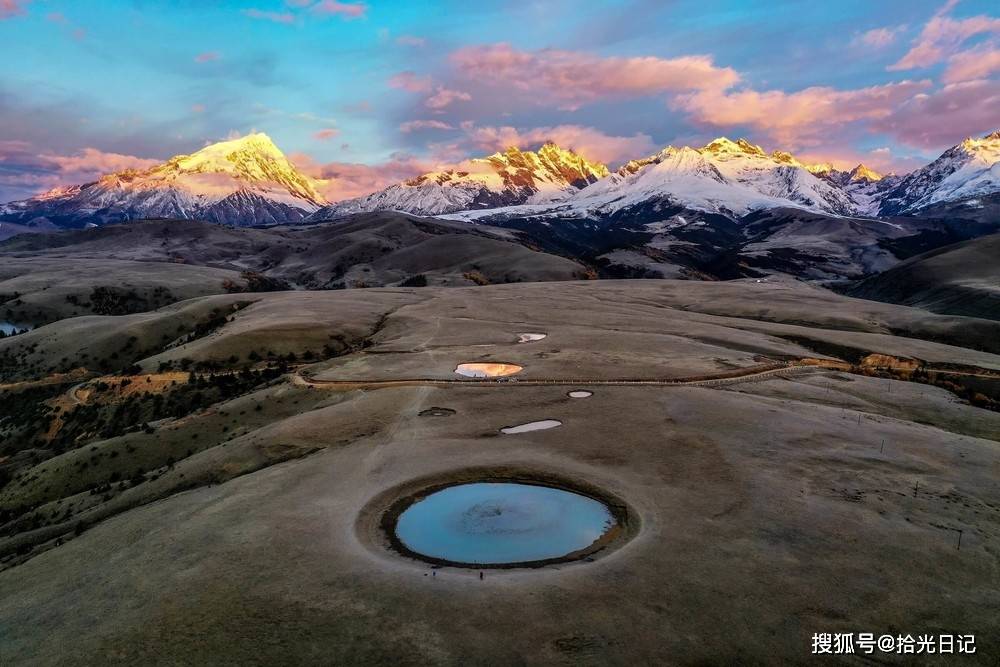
495, 523
487, 370
540, 425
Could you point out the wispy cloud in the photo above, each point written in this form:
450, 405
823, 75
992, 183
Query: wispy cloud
444, 97
574, 78
943, 36
274, 17
977, 63
414, 125
207, 57
946, 116
326, 134
344, 180
26, 171
878, 38
797, 118
349, 10
411, 82
12, 8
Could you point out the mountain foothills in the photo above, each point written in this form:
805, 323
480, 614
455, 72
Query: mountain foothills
728, 209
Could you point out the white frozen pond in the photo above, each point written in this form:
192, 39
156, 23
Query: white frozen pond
581, 394
531, 426
530, 337
487, 370
9, 327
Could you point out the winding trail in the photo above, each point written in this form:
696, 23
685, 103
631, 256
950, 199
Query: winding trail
752, 374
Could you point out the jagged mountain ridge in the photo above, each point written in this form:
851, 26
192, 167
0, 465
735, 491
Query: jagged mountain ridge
970, 169
248, 181
245, 181
502, 179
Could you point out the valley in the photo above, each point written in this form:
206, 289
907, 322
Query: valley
620, 333
804, 420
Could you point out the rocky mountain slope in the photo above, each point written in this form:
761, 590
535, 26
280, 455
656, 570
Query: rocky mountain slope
962, 173
246, 181
502, 179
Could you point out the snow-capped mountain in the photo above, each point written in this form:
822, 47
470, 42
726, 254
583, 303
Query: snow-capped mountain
727, 177
246, 181
966, 171
863, 185
502, 179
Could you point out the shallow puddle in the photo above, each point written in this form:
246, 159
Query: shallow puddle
580, 394
530, 337
487, 370
492, 523
531, 426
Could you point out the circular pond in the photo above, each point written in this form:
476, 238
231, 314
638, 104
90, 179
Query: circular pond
484, 524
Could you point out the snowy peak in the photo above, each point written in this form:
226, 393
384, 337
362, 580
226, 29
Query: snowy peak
723, 147
251, 161
820, 169
724, 176
247, 180
551, 164
863, 173
968, 170
505, 178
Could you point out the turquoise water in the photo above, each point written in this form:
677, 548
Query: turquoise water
494, 523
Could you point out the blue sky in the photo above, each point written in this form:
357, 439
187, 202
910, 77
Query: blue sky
365, 93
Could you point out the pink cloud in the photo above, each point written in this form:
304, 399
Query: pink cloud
946, 116
574, 78
11, 8
978, 63
207, 57
198, 108
878, 38
345, 9
942, 36
91, 163
28, 171
413, 125
411, 82
345, 180
275, 17
326, 134
56, 17
587, 141
444, 97
410, 40
796, 118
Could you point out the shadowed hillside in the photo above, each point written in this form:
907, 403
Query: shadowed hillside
960, 279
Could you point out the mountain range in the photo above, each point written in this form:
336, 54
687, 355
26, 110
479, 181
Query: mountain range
726, 209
